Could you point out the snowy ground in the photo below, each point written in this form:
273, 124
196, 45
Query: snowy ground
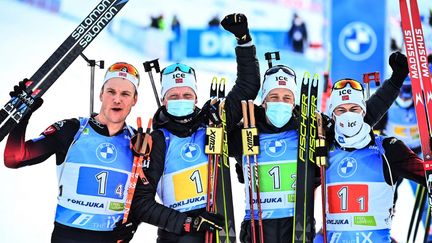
29, 36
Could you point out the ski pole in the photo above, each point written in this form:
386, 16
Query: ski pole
92, 63
148, 66
251, 107
321, 161
248, 150
367, 77
269, 56
140, 147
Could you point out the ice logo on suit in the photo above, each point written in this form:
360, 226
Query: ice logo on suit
275, 148
106, 152
347, 167
357, 41
190, 152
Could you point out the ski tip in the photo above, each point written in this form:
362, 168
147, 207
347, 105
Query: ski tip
222, 81
315, 79
306, 75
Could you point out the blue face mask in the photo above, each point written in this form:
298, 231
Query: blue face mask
180, 107
279, 113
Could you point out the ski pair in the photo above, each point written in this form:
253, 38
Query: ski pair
250, 142
17, 107
306, 157
219, 192
142, 148
421, 86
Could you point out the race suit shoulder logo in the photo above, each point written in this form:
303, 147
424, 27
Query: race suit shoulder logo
357, 41
347, 167
106, 152
190, 152
275, 148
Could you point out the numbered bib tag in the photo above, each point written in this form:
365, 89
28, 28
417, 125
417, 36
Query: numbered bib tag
348, 198
101, 182
190, 183
271, 174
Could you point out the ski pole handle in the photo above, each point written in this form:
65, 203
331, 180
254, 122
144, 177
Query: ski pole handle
269, 56
139, 135
367, 78
148, 66
92, 63
251, 107
250, 140
245, 114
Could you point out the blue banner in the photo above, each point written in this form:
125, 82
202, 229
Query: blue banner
217, 43
358, 38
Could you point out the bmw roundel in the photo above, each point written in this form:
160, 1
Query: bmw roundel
347, 167
190, 152
275, 148
106, 152
357, 41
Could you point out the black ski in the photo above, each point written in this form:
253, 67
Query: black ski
224, 202
304, 208
58, 62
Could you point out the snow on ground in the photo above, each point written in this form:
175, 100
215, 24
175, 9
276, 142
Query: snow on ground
29, 36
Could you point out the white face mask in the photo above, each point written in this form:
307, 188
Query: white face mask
349, 123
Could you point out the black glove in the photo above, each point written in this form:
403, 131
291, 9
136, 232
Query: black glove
399, 64
125, 232
211, 111
237, 24
204, 222
18, 89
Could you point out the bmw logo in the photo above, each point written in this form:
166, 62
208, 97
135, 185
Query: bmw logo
106, 152
275, 148
347, 167
357, 41
190, 152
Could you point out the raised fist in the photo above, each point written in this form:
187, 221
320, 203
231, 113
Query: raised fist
237, 24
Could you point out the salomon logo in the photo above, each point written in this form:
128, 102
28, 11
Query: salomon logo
96, 27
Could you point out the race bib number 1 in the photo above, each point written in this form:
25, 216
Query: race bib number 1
348, 198
271, 174
101, 183
190, 183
